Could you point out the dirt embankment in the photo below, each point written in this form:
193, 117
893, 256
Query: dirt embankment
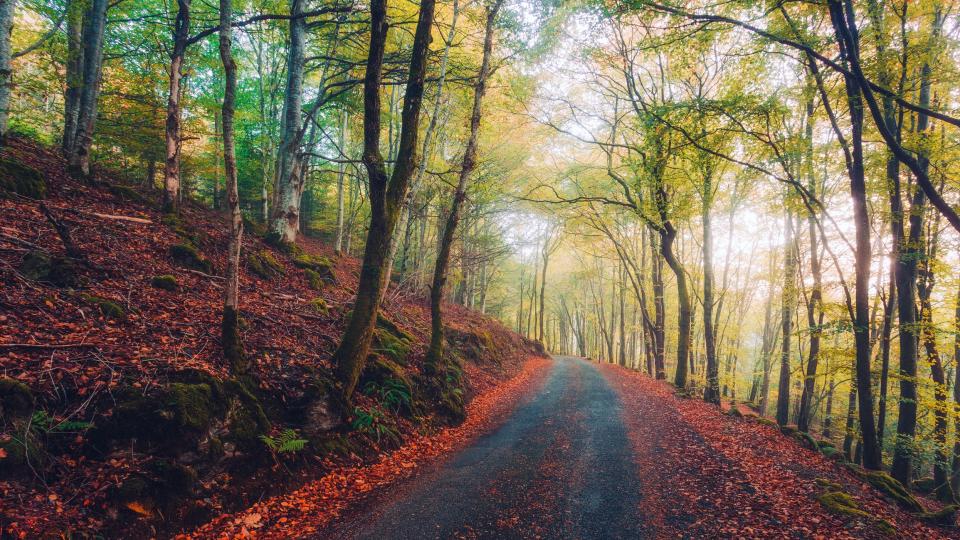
118, 414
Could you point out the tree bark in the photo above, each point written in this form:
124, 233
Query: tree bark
435, 354
786, 319
230, 327
74, 75
94, 21
7, 10
386, 194
171, 175
289, 185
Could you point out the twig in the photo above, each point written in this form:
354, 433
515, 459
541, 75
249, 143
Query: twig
199, 273
19, 241
45, 345
64, 232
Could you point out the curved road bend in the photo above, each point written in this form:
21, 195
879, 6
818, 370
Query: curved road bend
561, 466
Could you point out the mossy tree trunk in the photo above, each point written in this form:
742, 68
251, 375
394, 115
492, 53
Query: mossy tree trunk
171, 174
386, 193
435, 354
788, 299
232, 345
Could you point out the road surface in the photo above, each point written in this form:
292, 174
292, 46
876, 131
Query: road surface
560, 467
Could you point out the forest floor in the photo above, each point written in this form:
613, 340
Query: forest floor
598, 451
118, 415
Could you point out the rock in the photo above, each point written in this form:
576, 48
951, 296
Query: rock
22, 180
893, 489
165, 282
186, 255
108, 308
53, 269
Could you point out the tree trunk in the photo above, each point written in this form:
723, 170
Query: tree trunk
786, 319
74, 75
7, 10
386, 194
171, 175
711, 391
94, 22
667, 235
230, 327
660, 317
289, 185
435, 355
846, 33
341, 173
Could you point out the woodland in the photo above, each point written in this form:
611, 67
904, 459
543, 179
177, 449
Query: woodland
247, 243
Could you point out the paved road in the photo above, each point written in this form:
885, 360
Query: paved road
560, 467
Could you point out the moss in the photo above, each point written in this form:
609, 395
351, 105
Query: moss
171, 220
734, 411
264, 264
945, 516
893, 489
319, 305
247, 420
388, 344
186, 255
788, 429
127, 193
165, 282
254, 227
842, 503
108, 308
925, 485
767, 422
824, 483
232, 343
56, 270
806, 440
16, 400
319, 265
192, 404
830, 451
390, 326
15, 177
23, 450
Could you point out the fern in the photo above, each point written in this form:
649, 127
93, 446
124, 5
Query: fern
374, 423
287, 442
394, 394
43, 423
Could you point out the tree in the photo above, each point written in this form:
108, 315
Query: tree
386, 192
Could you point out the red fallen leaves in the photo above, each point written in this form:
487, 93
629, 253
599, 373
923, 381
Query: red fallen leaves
717, 476
163, 332
312, 507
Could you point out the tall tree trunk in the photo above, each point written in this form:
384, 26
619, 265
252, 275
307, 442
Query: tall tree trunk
230, 328
955, 467
660, 317
667, 235
435, 354
623, 317
711, 391
904, 450
289, 185
341, 173
786, 319
7, 10
74, 74
848, 39
386, 194
171, 175
94, 22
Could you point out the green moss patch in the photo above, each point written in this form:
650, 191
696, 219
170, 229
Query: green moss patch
165, 282
186, 255
108, 308
843, 504
263, 264
319, 305
15, 177
53, 269
894, 490
946, 516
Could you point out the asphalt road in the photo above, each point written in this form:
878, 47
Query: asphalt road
561, 466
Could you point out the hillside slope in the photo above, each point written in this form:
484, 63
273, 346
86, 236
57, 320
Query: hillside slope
116, 406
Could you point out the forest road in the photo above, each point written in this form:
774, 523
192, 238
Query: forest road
560, 466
